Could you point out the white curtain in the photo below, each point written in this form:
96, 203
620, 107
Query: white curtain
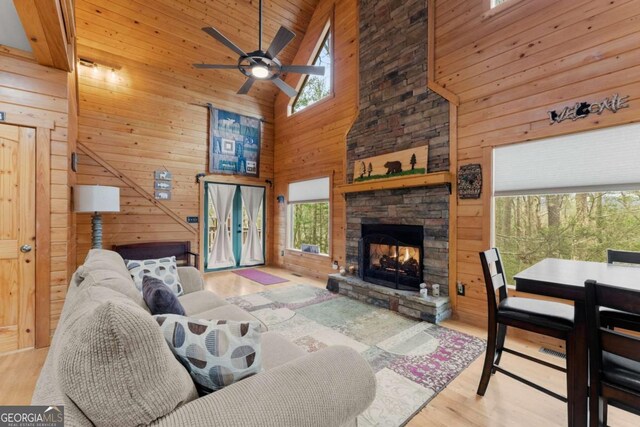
221, 255
252, 250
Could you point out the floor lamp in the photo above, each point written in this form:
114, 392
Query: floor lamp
96, 199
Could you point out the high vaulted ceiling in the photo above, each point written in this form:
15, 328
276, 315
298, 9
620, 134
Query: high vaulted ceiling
167, 35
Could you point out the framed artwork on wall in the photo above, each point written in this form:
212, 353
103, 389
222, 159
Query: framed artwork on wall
234, 143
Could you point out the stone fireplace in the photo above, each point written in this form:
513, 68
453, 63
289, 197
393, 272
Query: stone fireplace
398, 112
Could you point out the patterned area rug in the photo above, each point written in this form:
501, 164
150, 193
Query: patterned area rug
413, 360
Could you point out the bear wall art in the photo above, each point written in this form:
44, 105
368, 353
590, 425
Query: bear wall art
401, 163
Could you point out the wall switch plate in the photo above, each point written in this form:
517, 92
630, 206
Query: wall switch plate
192, 219
460, 287
3, 116
281, 253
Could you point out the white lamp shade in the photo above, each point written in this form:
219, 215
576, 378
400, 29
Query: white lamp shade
96, 198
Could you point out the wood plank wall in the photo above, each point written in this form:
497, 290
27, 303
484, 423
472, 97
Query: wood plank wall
509, 67
149, 113
312, 142
37, 96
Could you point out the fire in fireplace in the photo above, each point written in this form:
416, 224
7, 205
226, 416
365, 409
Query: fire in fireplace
392, 255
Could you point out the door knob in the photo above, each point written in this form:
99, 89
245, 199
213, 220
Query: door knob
25, 248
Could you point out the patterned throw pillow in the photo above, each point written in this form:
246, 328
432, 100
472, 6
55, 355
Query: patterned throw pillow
164, 269
216, 353
159, 298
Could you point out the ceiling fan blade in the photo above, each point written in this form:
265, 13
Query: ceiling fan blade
222, 39
215, 67
291, 92
304, 69
280, 41
246, 87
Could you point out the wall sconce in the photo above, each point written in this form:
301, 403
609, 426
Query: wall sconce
280, 199
98, 67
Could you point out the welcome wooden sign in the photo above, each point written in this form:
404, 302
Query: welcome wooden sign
407, 162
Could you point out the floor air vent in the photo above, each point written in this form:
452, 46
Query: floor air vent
554, 353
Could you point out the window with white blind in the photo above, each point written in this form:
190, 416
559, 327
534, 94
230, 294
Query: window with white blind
309, 216
571, 197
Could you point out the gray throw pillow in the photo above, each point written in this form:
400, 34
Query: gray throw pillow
159, 298
164, 269
216, 353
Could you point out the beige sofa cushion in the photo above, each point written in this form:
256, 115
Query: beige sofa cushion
117, 368
277, 350
101, 259
229, 312
114, 280
200, 301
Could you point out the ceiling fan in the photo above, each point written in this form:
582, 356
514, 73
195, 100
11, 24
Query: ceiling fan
261, 65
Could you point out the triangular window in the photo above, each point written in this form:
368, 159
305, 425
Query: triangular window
315, 88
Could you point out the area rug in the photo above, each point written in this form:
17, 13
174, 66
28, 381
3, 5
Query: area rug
413, 360
260, 276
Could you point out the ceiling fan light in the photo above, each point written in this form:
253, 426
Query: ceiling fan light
260, 71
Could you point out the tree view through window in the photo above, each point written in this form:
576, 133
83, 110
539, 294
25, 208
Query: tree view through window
578, 226
310, 227
316, 88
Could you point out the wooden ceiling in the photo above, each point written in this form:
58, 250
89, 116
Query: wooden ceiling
166, 35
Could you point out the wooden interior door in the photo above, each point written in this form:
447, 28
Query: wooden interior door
17, 237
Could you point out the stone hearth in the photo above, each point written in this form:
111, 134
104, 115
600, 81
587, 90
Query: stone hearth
411, 304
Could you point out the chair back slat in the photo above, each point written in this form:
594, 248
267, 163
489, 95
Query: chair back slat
498, 281
619, 343
627, 257
617, 298
493, 276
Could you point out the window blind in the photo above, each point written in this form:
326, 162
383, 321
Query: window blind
309, 191
599, 160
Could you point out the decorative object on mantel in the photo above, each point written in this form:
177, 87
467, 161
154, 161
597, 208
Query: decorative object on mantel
343, 271
96, 199
470, 181
582, 110
162, 184
407, 162
352, 270
234, 143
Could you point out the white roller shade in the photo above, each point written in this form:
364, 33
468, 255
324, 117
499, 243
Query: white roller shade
309, 191
599, 160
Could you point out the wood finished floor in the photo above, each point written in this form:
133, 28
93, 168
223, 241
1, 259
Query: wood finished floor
507, 402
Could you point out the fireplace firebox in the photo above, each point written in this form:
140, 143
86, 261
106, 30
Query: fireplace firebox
392, 255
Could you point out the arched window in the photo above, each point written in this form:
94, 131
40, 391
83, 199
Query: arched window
315, 88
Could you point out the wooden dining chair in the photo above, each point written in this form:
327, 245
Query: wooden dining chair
615, 318
543, 317
627, 257
614, 354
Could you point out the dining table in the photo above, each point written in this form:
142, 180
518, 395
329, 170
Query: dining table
564, 279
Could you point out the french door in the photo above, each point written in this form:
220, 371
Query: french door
234, 226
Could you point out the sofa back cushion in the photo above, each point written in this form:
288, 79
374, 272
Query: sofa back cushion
102, 259
114, 364
113, 280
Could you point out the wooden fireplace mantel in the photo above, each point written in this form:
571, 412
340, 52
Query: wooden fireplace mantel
425, 180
